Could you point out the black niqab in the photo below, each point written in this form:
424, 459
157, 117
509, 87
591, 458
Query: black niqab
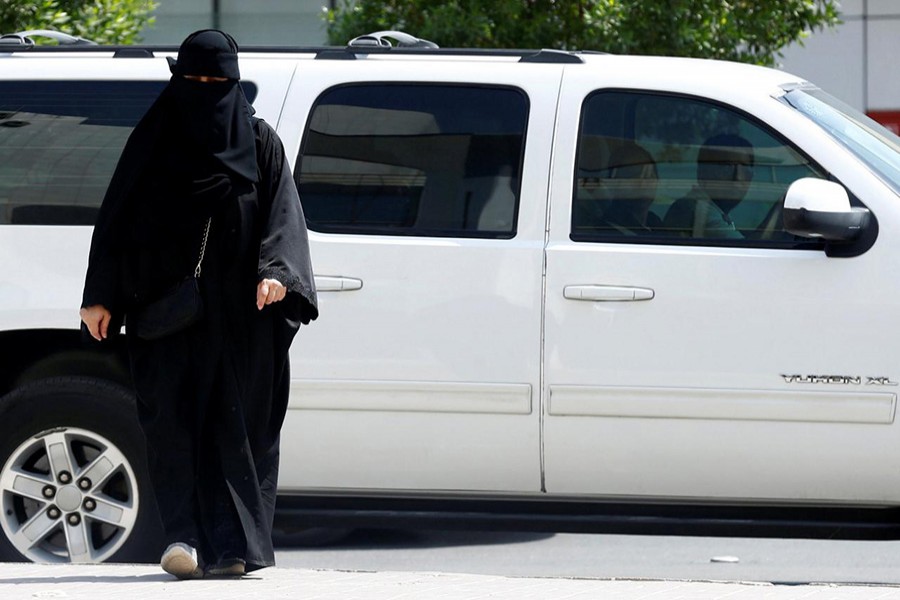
214, 115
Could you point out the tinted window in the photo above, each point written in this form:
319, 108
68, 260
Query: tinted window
435, 160
60, 142
670, 169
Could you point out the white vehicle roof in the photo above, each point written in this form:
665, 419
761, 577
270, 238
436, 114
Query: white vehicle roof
641, 72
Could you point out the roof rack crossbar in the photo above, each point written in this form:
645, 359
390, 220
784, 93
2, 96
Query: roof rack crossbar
24, 38
381, 39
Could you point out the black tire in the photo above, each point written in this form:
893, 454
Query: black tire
91, 425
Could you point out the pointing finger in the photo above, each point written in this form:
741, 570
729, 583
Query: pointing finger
104, 325
262, 292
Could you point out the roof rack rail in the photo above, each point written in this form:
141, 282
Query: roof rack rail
23, 39
133, 53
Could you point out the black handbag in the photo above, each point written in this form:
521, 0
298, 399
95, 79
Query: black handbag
177, 309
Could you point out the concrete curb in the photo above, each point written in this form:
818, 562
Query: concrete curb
21, 581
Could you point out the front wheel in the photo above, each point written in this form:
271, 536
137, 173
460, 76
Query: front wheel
73, 485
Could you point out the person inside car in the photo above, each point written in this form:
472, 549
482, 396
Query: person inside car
632, 188
724, 175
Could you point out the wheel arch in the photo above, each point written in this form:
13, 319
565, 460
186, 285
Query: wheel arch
29, 355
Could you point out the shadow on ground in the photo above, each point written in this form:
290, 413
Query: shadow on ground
55, 580
397, 539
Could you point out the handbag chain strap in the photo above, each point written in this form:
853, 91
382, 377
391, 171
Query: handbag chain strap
203, 248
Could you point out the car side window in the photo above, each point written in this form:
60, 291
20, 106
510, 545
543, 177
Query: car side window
408, 159
60, 142
669, 169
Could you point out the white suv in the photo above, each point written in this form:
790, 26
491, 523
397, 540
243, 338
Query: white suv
553, 286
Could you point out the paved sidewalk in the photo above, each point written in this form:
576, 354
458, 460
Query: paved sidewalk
142, 582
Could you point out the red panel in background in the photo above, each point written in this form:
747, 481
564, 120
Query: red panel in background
888, 118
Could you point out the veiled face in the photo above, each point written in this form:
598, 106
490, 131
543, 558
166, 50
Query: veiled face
205, 78
209, 53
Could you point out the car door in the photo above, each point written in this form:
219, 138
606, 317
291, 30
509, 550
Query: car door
726, 361
425, 190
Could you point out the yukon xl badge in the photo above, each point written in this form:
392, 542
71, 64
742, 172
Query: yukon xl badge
838, 379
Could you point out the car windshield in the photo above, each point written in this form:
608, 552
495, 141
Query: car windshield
875, 145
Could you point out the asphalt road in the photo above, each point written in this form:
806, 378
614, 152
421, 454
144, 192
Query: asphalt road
606, 556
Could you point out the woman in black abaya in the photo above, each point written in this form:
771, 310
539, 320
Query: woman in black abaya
211, 397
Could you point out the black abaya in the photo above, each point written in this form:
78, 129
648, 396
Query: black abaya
212, 398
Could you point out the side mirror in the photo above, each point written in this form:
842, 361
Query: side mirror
816, 208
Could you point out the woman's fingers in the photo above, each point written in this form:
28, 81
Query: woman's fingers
269, 291
262, 292
97, 319
104, 324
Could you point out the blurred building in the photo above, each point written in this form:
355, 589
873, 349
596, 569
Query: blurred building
256, 23
855, 61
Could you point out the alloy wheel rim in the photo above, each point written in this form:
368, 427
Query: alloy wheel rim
68, 495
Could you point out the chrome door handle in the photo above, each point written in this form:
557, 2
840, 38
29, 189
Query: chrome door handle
607, 293
328, 283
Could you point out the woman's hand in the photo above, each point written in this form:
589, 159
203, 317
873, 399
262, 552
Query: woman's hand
97, 319
269, 291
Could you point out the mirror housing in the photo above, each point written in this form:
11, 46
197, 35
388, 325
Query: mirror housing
816, 208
